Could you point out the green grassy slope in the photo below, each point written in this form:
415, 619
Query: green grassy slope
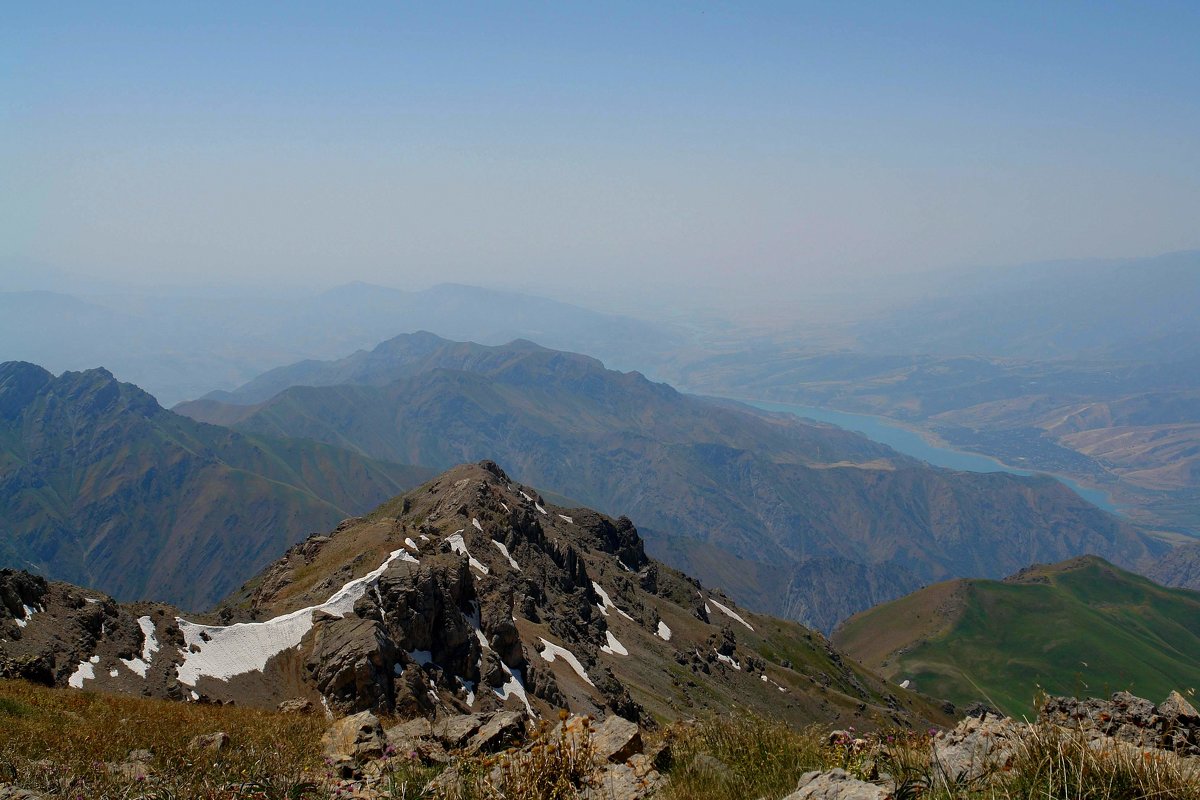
1080, 627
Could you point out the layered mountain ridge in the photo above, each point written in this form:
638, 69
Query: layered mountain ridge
802, 520
101, 486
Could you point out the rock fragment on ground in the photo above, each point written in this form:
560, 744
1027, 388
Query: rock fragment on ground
836, 784
213, 742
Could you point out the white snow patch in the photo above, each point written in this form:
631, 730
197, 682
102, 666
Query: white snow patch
727, 660
729, 612
514, 685
764, 678
663, 632
225, 651
527, 497
92, 599
459, 545
29, 612
469, 686
512, 562
553, 651
112, 673
474, 622
504, 505
424, 538
707, 610
905, 684
149, 648
516, 681
411, 544
565, 518
475, 522
150, 645
539, 508
196, 696
86, 671
614, 647
606, 602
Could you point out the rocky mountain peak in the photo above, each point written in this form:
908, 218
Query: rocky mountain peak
474, 594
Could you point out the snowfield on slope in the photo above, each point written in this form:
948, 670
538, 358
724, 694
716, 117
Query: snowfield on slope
729, 612
149, 648
552, 651
86, 671
459, 545
221, 652
29, 612
606, 602
614, 647
512, 562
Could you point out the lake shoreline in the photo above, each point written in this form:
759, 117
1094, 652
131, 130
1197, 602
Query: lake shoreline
954, 457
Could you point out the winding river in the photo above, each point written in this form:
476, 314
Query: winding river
911, 443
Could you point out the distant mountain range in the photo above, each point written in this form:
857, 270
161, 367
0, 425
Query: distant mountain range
101, 486
180, 343
1081, 626
1139, 309
801, 520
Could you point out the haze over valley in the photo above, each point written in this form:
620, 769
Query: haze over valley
556, 402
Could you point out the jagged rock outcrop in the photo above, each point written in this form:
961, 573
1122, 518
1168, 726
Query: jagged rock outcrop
50, 632
975, 748
1173, 724
470, 595
986, 745
351, 661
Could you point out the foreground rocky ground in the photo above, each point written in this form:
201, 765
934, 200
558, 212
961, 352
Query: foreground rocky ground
56, 744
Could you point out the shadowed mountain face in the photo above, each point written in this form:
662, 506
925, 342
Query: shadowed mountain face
792, 518
99, 485
1180, 567
1052, 628
471, 593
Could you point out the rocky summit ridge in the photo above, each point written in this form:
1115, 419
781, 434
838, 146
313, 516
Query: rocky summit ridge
469, 595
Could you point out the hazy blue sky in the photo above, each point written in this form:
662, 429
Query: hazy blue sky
573, 143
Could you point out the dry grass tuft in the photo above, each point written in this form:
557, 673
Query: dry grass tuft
70, 744
557, 765
741, 756
1054, 762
